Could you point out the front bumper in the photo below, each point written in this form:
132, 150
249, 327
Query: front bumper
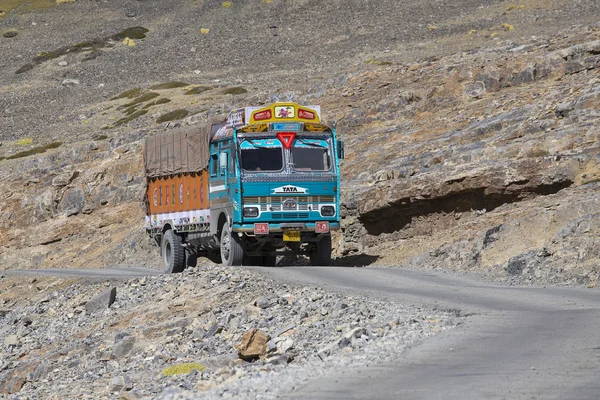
287, 226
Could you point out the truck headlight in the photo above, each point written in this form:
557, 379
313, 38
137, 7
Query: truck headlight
251, 212
328, 211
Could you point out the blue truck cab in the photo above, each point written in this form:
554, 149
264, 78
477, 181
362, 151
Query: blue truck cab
274, 184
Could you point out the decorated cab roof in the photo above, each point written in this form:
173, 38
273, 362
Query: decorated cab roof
273, 113
274, 117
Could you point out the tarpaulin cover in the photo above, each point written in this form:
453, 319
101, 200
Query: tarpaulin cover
177, 151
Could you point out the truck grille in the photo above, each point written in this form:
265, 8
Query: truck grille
289, 215
275, 203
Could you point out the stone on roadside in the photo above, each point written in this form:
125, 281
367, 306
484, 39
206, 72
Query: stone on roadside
101, 301
11, 341
40, 372
285, 345
70, 82
15, 384
123, 347
285, 329
120, 383
263, 303
253, 345
475, 89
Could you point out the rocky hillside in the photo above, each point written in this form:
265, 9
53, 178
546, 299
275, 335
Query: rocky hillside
470, 127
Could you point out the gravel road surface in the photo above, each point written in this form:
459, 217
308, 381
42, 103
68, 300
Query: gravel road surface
516, 342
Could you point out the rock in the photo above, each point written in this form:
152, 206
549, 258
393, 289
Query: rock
70, 82
355, 333
285, 345
285, 329
40, 372
475, 90
63, 64
563, 109
123, 346
263, 303
253, 345
101, 301
120, 383
16, 384
11, 341
72, 203
214, 330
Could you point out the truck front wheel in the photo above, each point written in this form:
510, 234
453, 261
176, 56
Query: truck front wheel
232, 250
173, 253
321, 253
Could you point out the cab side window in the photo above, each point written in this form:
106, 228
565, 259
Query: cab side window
214, 164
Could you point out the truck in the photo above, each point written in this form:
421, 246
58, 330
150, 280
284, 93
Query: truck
261, 183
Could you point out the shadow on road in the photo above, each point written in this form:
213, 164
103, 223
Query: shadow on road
352, 261
358, 260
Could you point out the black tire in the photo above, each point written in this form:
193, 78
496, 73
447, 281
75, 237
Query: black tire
321, 254
232, 250
173, 253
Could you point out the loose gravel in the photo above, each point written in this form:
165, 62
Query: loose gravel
56, 348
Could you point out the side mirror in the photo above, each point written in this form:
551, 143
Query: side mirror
340, 149
223, 160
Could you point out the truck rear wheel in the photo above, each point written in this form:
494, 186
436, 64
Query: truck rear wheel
321, 254
173, 253
232, 251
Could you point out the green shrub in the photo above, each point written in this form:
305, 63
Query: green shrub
169, 85
136, 32
130, 94
130, 118
235, 90
198, 90
182, 369
162, 100
141, 99
35, 150
172, 116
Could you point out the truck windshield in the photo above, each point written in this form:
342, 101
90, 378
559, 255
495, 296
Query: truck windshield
261, 159
311, 158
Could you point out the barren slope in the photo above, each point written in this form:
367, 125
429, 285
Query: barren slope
465, 132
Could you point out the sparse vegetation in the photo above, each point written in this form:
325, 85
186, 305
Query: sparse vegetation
198, 90
93, 47
130, 94
377, 62
35, 150
24, 141
136, 32
162, 100
99, 137
537, 152
24, 6
130, 118
24, 68
141, 99
183, 369
235, 90
172, 116
169, 85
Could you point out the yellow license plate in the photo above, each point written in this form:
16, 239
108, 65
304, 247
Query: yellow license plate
291, 236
